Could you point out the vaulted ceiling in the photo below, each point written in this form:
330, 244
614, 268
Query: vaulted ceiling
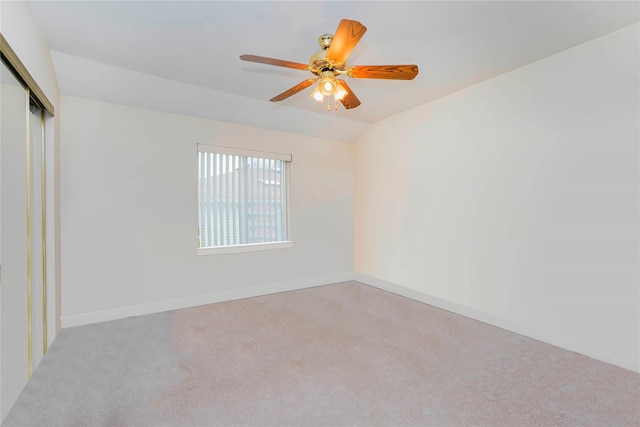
182, 57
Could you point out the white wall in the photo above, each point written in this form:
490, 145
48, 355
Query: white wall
22, 34
517, 199
129, 212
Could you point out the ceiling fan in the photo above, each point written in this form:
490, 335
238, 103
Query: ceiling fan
330, 62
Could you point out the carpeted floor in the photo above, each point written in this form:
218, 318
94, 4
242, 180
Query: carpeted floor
343, 354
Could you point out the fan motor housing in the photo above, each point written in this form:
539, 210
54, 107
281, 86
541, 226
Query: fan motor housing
319, 62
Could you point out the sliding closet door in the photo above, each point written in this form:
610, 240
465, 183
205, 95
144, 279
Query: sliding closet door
36, 232
14, 363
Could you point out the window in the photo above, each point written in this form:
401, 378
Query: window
243, 200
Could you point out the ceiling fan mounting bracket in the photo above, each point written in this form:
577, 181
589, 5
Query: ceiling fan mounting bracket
325, 41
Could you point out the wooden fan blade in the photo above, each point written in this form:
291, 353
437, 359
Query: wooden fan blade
297, 88
272, 61
395, 72
345, 39
350, 100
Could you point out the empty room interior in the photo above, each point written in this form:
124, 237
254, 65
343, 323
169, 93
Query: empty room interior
320, 213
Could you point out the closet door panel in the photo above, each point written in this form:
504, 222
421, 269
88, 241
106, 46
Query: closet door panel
14, 367
36, 217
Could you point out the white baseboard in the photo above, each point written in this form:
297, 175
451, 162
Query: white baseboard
531, 332
197, 300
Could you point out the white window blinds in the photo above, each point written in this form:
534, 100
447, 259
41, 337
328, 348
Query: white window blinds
242, 196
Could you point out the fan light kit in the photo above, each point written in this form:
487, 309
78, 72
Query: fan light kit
330, 62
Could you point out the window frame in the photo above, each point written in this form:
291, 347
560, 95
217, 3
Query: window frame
248, 247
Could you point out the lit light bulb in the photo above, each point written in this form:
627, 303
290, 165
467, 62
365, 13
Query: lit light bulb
340, 92
327, 86
317, 95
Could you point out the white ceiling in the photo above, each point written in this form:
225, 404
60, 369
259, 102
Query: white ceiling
182, 57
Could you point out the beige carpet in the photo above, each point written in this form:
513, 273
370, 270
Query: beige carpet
343, 354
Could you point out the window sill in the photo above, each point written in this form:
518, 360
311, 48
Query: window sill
243, 248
